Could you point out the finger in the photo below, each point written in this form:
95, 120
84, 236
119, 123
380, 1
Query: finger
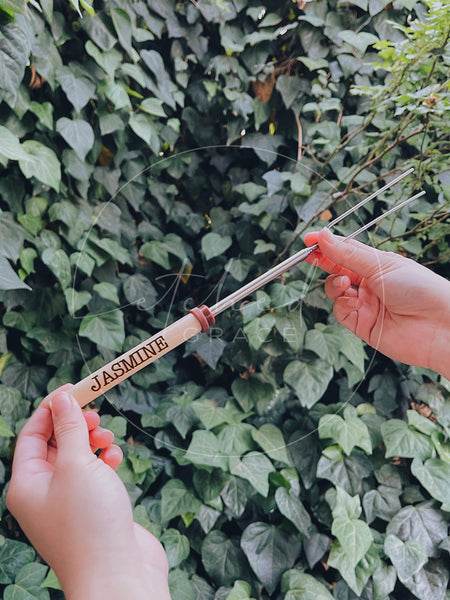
337, 285
92, 419
100, 438
319, 259
70, 428
62, 388
112, 456
354, 256
32, 441
346, 311
359, 314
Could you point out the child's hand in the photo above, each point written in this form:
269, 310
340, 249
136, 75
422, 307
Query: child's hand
397, 306
75, 510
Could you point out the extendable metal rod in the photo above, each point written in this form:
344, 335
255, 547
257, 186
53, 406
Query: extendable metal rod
201, 318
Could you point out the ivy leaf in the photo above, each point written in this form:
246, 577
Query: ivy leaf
235, 495
209, 413
324, 341
241, 591
353, 534
401, 440
309, 380
9, 280
298, 585
180, 586
42, 163
51, 581
434, 475
205, 449
5, 430
291, 327
13, 556
202, 590
254, 467
176, 545
78, 134
153, 106
360, 41
156, 251
430, 582
105, 329
291, 507
145, 127
264, 146
107, 291
258, 330
423, 523
271, 440
109, 61
352, 348
252, 392
355, 576
348, 432
270, 551
58, 262
382, 503
79, 90
315, 547
30, 380
76, 300
208, 347
27, 585
123, 26
222, 558
238, 268
14, 57
176, 500
214, 244
407, 557
10, 146
384, 580
140, 291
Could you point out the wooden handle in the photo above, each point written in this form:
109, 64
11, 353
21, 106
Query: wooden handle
137, 358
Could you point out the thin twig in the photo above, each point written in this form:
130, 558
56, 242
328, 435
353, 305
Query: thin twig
197, 5
300, 137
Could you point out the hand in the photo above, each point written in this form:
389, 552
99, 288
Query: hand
397, 306
75, 510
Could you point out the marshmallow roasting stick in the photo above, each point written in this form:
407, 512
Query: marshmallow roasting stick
200, 318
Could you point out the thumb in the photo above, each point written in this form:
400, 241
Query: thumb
354, 256
69, 425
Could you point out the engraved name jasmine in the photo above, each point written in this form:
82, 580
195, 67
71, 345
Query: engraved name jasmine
129, 363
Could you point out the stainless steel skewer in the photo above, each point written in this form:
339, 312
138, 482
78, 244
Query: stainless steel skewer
201, 318
303, 254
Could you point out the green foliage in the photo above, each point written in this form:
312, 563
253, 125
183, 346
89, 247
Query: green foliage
153, 156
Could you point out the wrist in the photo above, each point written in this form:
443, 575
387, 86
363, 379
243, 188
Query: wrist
440, 351
116, 578
113, 586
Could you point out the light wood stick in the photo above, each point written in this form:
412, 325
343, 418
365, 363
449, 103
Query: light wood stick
134, 360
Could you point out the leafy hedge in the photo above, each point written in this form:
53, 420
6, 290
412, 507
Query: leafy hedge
155, 155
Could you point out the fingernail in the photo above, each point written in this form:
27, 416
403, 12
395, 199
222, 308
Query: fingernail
326, 233
61, 404
341, 281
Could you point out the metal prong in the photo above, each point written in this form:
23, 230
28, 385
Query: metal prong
386, 214
371, 197
300, 256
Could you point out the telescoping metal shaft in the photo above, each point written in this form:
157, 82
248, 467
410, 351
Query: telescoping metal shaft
201, 318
